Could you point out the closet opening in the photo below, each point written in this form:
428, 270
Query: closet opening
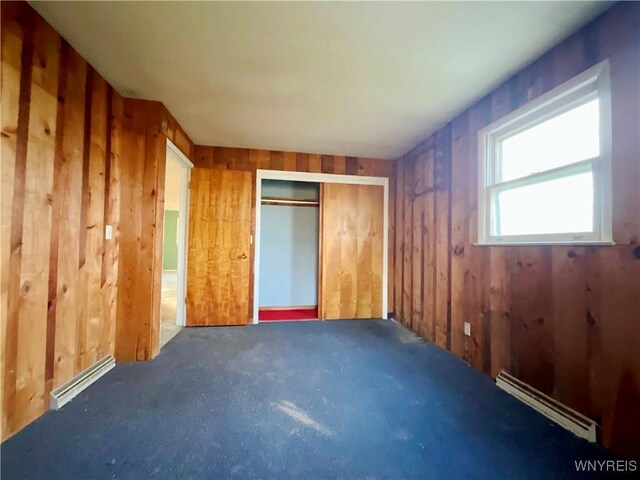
321, 246
289, 247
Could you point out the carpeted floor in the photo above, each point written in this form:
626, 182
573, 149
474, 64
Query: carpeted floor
309, 400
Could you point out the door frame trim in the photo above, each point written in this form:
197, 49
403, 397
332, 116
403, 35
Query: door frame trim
183, 233
320, 178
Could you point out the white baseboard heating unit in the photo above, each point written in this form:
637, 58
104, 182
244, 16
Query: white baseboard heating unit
66, 392
564, 416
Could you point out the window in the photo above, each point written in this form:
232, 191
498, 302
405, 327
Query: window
545, 169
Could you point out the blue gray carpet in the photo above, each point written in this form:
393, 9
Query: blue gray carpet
311, 400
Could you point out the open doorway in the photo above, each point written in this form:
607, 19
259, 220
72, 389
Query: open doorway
288, 289
176, 204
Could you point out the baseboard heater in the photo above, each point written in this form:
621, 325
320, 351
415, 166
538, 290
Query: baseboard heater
66, 392
564, 416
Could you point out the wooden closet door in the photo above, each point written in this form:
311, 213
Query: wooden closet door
219, 262
351, 247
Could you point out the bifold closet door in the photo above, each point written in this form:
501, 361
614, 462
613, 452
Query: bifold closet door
219, 259
351, 247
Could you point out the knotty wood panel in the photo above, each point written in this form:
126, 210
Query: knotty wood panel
250, 160
58, 284
565, 319
141, 129
352, 247
74, 153
218, 278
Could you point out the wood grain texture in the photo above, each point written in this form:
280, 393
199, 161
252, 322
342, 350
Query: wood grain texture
249, 160
54, 153
140, 149
13, 53
240, 159
76, 156
351, 251
565, 319
218, 277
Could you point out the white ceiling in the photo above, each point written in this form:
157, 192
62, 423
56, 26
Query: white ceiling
362, 79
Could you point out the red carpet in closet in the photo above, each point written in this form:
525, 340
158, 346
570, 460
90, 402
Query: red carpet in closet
288, 315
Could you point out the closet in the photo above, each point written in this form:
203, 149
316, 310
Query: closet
321, 251
289, 248
272, 248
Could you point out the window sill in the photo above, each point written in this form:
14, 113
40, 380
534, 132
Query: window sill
534, 243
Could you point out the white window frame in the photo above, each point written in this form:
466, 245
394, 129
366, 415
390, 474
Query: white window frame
590, 84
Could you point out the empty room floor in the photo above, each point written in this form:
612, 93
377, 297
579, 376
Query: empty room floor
348, 399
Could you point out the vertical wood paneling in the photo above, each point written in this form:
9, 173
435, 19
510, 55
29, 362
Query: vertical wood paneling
340, 165
16, 57
36, 226
54, 129
613, 299
391, 238
112, 199
427, 175
417, 274
407, 279
398, 206
351, 242
476, 308
460, 249
94, 226
154, 180
327, 163
441, 219
140, 152
569, 307
69, 217
565, 319
315, 163
15, 288
133, 295
73, 153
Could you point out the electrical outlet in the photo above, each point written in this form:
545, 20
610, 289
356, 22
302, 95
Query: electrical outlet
108, 232
467, 329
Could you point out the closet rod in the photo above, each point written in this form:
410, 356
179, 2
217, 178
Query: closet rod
289, 201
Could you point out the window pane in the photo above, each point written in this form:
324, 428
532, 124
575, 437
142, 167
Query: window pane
565, 139
564, 205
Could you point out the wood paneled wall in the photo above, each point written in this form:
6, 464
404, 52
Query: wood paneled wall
59, 189
140, 132
76, 156
565, 319
250, 160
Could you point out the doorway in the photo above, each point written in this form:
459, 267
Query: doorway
176, 205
